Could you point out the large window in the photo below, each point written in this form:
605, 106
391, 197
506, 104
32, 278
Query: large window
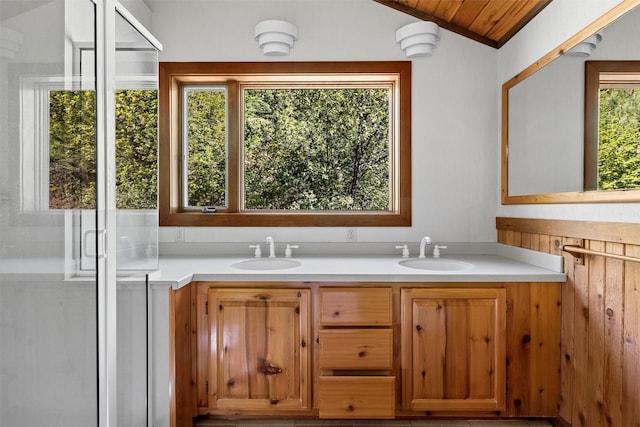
277, 144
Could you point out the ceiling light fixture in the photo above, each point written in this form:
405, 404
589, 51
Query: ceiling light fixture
275, 37
418, 39
584, 48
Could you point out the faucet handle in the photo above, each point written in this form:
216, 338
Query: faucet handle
257, 252
436, 251
405, 250
287, 251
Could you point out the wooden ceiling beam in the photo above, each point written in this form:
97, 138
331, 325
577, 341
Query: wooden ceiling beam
524, 21
394, 4
492, 27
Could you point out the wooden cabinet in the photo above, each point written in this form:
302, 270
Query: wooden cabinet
249, 350
259, 349
356, 353
453, 349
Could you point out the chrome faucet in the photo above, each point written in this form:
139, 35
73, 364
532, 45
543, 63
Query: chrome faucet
426, 240
272, 251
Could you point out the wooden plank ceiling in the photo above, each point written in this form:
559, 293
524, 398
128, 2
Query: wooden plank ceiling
492, 22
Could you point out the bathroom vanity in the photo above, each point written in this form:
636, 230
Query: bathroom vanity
364, 338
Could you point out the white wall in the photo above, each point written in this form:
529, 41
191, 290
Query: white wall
546, 129
455, 105
38, 45
560, 20
140, 10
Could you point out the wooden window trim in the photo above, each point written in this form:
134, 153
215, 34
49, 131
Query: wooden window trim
594, 72
173, 74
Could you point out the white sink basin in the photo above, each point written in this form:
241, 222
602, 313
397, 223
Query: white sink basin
438, 264
266, 264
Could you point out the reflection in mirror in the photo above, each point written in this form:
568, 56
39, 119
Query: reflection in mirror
546, 130
612, 125
546, 156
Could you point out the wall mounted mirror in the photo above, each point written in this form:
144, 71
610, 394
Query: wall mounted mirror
551, 150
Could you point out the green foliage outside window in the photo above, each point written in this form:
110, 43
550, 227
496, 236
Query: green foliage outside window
72, 150
304, 149
619, 139
72, 155
317, 149
136, 149
206, 147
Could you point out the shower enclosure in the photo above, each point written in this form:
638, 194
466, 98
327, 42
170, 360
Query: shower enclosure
78, 215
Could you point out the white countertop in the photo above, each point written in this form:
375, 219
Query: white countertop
502, 264
507, 265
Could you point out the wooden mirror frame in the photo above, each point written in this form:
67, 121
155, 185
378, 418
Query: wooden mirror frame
622, 196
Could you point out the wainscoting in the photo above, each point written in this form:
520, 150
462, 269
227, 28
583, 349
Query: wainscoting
600, 317
372, 423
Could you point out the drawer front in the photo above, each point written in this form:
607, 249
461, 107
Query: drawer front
356, 397
355, 307
365, 349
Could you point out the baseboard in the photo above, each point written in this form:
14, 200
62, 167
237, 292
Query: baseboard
559, 422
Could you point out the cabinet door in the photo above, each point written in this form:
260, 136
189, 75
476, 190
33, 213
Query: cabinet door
453, 349
259, 349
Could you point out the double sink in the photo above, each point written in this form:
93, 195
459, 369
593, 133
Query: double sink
429, 264
421, 263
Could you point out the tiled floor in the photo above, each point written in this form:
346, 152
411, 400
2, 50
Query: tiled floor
372, 423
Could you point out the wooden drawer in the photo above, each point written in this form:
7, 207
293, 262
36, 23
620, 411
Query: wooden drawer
355, 306
365, 349
356, 397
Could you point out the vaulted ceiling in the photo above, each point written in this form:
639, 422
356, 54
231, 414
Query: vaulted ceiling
492, 22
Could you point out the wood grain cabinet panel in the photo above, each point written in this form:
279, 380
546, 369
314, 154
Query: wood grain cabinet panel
365, 349
356, 335
355, 307
357, 397
260, 357
453, 349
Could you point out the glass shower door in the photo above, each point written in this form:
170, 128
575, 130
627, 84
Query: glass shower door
48, 313
78, 219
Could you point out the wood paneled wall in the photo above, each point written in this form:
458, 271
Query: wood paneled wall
600, 318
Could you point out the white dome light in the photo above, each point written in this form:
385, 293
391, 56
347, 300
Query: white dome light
418, 39
275, 37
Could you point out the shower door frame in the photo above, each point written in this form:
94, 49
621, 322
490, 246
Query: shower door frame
106, 11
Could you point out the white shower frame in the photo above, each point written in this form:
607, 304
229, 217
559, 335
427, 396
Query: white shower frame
106, 11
